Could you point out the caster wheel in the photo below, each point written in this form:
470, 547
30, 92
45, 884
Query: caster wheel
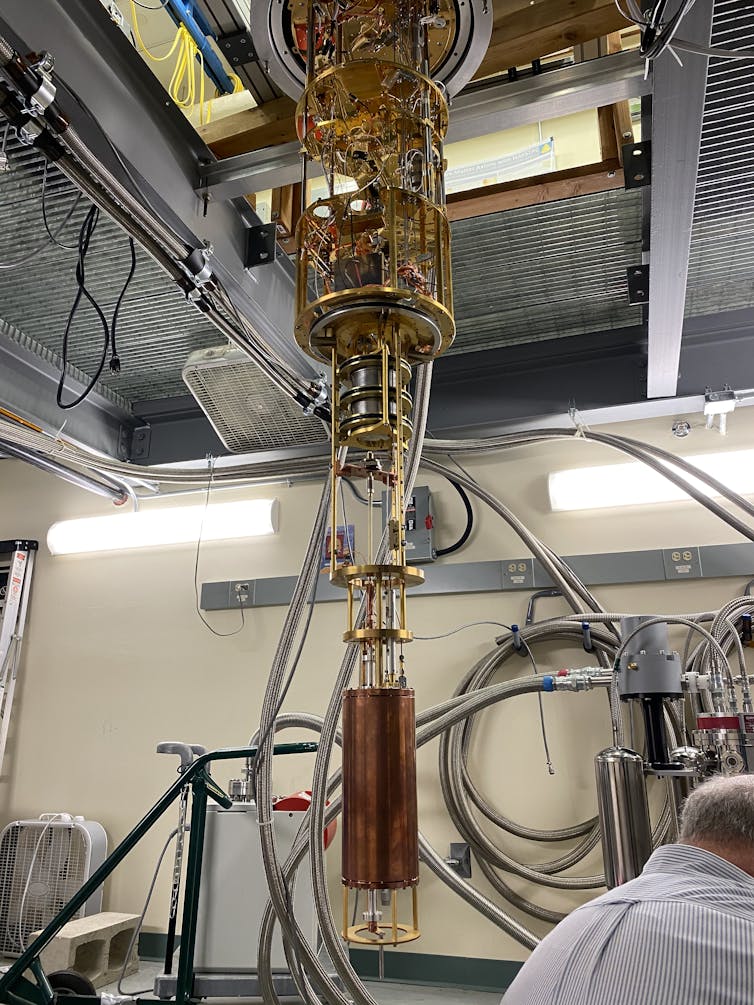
68, 982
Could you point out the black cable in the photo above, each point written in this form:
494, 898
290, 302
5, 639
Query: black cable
86, 233
53, 236
162, 6
115, 358
656, 37
469, 522
362, 499
221, 635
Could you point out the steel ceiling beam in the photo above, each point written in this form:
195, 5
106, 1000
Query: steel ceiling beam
28, 381
507, 104
477, 112
677, 113
99, 63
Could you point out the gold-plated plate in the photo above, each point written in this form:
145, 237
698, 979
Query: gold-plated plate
419, 318
405, 933
389, 575
378, 634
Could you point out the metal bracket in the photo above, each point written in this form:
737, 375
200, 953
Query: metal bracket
141, 443
460, 859
238, 48
637, 164
261, 246
720, 404
637, 277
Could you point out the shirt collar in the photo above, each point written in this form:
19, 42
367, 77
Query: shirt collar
683, 858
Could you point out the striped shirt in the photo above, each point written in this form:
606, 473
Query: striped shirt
682, 933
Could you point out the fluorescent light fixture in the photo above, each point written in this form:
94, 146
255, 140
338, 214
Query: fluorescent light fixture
154, 528
635, 484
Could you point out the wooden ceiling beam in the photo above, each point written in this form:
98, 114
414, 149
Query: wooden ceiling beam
521, 34
585, 180
252, 129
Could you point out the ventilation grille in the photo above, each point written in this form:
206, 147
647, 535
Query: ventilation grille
42, 865
546, 272
721, 262
246, 410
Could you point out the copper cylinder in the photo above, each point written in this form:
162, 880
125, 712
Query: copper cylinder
380, 819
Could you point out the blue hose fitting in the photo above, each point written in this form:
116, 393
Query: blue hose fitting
587, 637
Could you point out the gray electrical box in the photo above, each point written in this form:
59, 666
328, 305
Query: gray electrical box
419, 528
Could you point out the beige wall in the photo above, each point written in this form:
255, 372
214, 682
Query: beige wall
117, 660
577, 142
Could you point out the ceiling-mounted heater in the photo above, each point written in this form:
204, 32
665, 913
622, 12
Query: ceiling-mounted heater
43, 863
245, 409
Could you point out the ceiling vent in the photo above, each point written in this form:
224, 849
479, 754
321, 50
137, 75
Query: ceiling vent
246, 410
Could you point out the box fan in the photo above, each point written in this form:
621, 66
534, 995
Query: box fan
42, 864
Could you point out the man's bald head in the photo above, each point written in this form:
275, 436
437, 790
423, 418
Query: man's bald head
719, 817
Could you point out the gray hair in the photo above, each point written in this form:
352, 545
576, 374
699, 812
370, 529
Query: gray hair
720, 811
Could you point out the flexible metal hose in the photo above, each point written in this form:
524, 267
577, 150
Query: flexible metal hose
478, 677
473, 897
264, 473
115, 494
297, 949
644, 452
311, 466
453, 712
7, 52
457, 784
573, 590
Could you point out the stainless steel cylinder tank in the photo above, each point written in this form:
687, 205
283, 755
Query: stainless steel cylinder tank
624, 814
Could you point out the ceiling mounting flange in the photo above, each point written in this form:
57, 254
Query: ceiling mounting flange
276, 29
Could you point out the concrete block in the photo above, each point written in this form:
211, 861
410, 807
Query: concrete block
94, 947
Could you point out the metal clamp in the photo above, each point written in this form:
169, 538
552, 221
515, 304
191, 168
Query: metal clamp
518, 643
460, 859
586, 641
197, 266
318, 390
44, 95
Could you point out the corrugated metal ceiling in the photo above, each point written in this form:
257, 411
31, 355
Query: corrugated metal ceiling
157, 329
721, 263
545, 272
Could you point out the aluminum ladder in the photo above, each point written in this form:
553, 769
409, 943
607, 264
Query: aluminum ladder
16, 568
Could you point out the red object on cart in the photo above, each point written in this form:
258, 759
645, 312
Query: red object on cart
300, 802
